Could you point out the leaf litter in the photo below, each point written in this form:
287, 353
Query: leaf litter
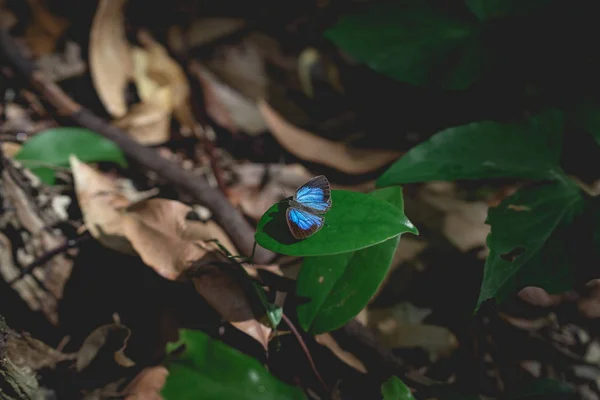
159, 226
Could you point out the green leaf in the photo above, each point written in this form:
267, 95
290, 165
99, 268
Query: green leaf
542, 389
413, 43
489, 9
339, 286
53, 147
210, 370
484, 150
525, 246
395, 389
355, 221
588, 116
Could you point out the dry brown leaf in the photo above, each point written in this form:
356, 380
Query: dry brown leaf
110, 56
226, 106
156, 230
313, 148
589, 305
44, 29
147, 384
99, 338
539, 297
437, 340
100, 200
149, 122
166, 72
27, 352
464, 222
202, 31
10, 149
223, 290
328, 341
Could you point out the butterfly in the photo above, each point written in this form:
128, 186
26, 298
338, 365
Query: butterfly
311, 200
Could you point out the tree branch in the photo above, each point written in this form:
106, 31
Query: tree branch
225, 214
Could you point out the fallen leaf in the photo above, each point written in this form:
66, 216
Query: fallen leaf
589, 304
100, 200
9, 149
229, 108
149, 122
147, 384
223, 289
310, 147
44, 29
156, 230
464, 222
539, 297
110, 56
241, 66
166, 72
102, 337
202, 31
328, 341
27, 352
170, 243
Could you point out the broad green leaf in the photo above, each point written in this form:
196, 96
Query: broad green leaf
413, 43
524, 241
337, 287
488, 9
53, 147
355, 221
210, 370
542, 389
395, 389
341, 285
588, 116
484, 150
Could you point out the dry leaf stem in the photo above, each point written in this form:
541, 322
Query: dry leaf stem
290, 324
47, 256
225, 214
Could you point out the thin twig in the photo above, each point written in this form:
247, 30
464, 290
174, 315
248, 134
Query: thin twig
305, 349
227, 216
47, 256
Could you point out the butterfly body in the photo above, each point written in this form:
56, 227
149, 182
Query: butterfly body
307, 206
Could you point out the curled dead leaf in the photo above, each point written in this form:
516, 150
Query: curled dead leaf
27, 352
311, 147
110, 56
227, 291
229, 108
149, 122
105, 337
165, 72
100, 200
44, 29
147, 384
328, 341
156, 230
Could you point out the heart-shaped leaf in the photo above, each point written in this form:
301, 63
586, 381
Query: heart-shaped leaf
484, 150
355, 221
210, 370
395, 389
339, 286
54, 146
524, 240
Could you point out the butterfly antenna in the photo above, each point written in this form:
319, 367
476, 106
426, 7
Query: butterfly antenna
283, 190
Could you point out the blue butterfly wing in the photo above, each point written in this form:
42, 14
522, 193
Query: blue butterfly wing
315, 194
302, 224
